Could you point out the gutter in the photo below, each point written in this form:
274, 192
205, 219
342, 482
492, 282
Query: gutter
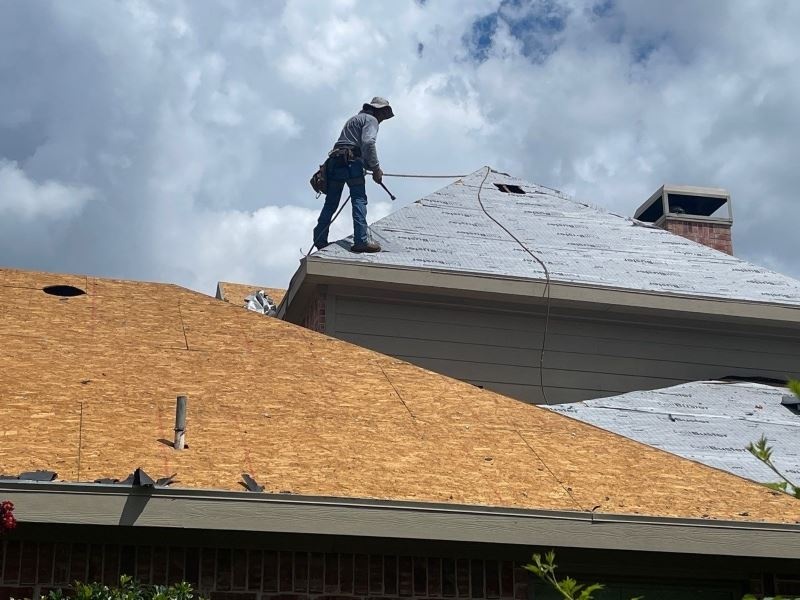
114, 505
514, 289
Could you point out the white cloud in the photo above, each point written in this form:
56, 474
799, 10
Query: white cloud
25, 200
247, 246
278, 121
199, 124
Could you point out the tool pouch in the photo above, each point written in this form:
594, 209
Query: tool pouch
343, 165
319, 180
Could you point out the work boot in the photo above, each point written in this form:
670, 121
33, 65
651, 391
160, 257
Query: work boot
368, 247
321, 245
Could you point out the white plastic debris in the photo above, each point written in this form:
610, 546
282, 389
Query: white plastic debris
260, 302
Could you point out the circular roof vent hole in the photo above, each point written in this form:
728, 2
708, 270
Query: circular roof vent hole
63, 291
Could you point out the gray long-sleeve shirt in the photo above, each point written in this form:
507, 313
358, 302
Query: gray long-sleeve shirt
361, 131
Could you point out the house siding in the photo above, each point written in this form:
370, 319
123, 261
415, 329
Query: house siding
29, 569
315, 316
587, 354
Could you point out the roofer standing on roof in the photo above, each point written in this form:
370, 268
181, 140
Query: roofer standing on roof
354, 151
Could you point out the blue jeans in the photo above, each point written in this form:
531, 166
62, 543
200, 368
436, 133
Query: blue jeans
340, 172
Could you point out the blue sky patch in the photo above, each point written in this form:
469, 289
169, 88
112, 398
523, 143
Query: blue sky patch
481, 36
603, 8
535, 23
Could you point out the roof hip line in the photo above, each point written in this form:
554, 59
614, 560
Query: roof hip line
549, 470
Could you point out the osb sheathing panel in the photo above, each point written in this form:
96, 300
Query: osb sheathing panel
235, 293
88, 386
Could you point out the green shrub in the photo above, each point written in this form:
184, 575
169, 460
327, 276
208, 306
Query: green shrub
128, 589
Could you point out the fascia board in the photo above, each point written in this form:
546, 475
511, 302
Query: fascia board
656, 196
694, 190
295, 285
522, 290
77, 504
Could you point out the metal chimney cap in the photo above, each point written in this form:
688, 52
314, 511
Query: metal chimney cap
685, 201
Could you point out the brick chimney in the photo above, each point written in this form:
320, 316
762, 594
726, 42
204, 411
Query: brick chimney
703, 215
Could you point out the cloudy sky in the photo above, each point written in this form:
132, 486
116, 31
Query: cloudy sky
173, 140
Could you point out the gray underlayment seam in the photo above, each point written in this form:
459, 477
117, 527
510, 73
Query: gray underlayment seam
580, 244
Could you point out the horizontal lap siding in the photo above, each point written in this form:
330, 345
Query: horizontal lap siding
553, 395
565, 353
585, 357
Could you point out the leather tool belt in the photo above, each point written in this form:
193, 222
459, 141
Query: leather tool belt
341, 165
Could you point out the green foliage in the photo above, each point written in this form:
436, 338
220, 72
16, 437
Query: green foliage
128, 589
794, 385
763, 452
568, 588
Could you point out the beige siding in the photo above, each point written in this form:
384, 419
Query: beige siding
587, 355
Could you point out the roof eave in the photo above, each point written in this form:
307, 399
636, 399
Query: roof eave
316, 271
291, 298
93, 504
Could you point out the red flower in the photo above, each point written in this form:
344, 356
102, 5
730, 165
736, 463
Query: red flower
7, 520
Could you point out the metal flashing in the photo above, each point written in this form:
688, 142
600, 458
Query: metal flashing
683, 200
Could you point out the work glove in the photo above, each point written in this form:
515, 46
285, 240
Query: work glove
377, 175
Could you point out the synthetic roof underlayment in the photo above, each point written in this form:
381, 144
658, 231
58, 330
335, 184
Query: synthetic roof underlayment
89, 384
710, 422
579, 243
